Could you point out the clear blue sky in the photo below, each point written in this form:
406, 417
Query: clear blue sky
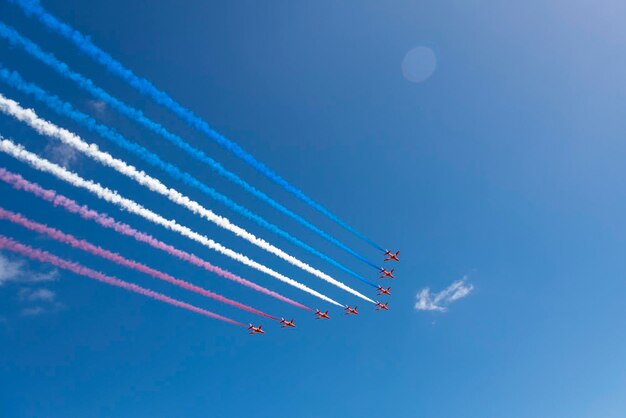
505, 167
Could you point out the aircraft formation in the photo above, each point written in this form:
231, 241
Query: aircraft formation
348, 310
160, 176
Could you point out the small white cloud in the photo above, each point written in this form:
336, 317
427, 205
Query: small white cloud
9, 270
17, 271
427, 301
49, 276
97, 106
44, 301
36, 295
42, 309
33, 311
61, 153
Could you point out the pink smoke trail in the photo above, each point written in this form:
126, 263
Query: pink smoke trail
116, 258
45, 257
19, 183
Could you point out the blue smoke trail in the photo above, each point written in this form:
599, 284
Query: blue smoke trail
35, 51
143, 86
14, 79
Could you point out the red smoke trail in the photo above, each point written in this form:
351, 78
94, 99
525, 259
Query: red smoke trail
116, 258
46, 257
19, 183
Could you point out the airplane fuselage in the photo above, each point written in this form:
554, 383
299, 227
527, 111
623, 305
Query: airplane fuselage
392, 257
287, 324
383, 291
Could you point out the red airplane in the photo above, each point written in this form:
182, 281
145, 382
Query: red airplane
321, 315
286, 324
384, 274
350, 310
256, 330
381, 306
391, 256
383, 291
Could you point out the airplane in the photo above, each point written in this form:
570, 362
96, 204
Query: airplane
383, 291
384, 274
256, 330
391, 256
321, 315
350, 310
381, 306
286, 324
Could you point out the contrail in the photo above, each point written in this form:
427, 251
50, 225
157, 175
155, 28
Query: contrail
112, 196
64, 108
116, 258
45, 257
44, 127
14, 38
143, 86
57, 199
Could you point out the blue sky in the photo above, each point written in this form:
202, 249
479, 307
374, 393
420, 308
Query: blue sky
504, 167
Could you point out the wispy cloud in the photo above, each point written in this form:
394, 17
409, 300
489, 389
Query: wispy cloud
34, 301
9, 270
36, 295
33, 311
15, 270
61, 153
40, 300
98, 106
427, 301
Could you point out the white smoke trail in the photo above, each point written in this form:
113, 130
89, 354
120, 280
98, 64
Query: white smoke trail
112, 196
44, 127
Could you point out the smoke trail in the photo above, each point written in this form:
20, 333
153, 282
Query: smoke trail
86, 84
14, 79
45, 257
143, 86
44, 127
116, 258
19, 183
111, 196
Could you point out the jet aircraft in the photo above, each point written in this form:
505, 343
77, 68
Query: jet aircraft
391, 256
256, 330
321, 315
383, 291
382, 306
386, 274
285, 324
351, 311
